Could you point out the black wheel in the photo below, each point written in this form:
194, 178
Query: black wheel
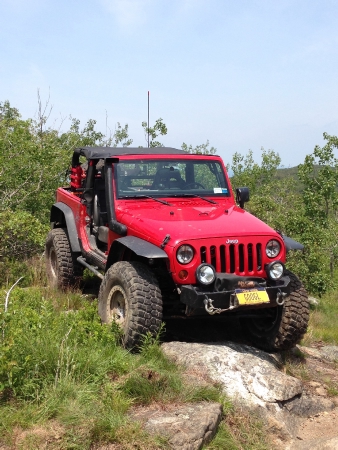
62, 269
196, 184
282, 327
130, 296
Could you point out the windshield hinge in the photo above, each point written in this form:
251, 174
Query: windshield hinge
165, 241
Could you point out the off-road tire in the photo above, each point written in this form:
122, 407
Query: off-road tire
130, 296
63, 272
282, 327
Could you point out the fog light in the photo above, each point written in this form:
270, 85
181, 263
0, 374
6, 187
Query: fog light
275, 270
205, 274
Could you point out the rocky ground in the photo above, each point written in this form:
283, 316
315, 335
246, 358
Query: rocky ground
318, 365
296, 394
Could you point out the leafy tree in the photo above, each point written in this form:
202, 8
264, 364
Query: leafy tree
319, 174
202, 149
246, 172
159, 129
279, 203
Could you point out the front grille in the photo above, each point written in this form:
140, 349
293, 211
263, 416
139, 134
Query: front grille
234, 258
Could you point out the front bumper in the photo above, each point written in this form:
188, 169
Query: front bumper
223, 293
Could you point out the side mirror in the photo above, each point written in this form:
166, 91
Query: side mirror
242, 196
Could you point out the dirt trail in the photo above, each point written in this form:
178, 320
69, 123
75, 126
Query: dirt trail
320, 378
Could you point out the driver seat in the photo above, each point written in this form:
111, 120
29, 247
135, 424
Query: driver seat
168, 178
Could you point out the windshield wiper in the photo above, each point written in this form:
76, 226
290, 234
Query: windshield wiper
194, 195
146, 196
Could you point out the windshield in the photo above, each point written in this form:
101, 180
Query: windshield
161, 178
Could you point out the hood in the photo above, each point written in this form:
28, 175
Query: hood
188, 220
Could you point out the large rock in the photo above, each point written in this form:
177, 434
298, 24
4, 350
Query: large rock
252, 379
245, 373
187, 427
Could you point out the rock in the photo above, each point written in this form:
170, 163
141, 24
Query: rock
313, 301
245, 372
316, 444
314, 352
306, 406
187, 427
247, 375
330, 352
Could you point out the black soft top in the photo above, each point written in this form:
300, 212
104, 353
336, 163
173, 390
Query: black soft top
110, 152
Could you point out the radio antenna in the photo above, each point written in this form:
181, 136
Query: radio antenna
148, 119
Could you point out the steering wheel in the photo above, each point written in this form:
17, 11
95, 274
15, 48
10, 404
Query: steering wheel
196, 184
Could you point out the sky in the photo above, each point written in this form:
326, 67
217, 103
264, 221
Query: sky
242, 74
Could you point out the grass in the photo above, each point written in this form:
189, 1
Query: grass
323, 321
66, 381
240, 430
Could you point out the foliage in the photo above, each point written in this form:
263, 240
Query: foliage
21, 237
159, 129
307, 216
319, 173
202, 149
58, 363
34, 158
323, 321
246, 172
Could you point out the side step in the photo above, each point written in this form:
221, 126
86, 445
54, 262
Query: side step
93, 269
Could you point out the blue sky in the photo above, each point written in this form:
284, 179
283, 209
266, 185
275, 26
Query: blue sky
244, 74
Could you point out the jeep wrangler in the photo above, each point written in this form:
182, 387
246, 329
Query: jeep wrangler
163, 231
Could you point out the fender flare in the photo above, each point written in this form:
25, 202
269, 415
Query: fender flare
60, 210
139, 246
291, 244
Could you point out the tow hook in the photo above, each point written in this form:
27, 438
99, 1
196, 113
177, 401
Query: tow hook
210, 309
280, 299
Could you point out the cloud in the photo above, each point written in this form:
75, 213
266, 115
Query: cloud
129, 12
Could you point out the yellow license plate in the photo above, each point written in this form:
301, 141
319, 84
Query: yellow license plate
252, 296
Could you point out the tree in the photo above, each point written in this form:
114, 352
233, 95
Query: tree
159, 129
319, 174
279, 203
202, 149
246, 172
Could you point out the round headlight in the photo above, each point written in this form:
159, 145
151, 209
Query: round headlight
275, 270
272, 248
205, 274
185, 254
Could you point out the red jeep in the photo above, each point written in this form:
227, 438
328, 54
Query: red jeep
163, 231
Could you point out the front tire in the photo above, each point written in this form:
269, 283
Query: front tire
130, 296
62, 270
282, 327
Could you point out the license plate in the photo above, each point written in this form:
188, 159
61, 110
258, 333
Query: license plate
252, 296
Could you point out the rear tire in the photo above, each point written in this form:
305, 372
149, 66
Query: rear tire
281, 327
62, 270
129, 295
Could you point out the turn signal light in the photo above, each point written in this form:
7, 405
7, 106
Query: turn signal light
183, 274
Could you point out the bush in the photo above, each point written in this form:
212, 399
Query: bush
21, 237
